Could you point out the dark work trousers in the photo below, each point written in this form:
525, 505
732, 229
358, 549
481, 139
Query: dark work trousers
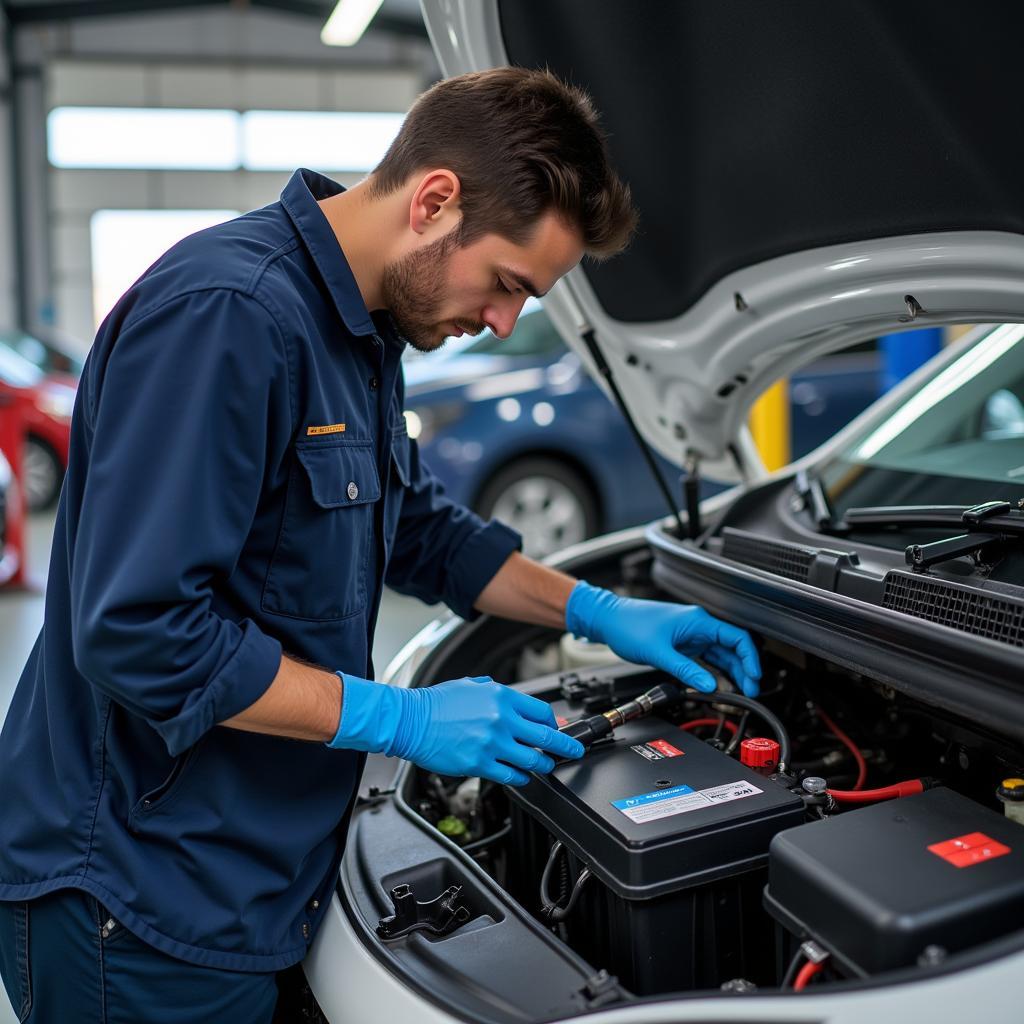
62, 962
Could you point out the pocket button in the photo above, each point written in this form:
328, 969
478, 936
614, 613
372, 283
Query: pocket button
353, 490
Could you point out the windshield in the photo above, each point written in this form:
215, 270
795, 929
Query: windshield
957, 440
534, 334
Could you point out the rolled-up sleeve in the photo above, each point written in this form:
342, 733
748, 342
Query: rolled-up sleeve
442, 550
183, 413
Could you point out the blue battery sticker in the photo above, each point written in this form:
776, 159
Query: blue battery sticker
664, 803
649, 798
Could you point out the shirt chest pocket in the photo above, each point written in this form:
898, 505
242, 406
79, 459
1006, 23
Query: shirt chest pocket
319, 567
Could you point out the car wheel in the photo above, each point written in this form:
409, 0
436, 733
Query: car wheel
43, 474
548, 502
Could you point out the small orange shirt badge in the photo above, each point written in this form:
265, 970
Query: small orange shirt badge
331, 428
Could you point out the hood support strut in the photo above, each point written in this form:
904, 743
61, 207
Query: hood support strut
691, 492
590, 340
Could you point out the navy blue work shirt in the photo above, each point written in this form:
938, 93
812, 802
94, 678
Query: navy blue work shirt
241, 483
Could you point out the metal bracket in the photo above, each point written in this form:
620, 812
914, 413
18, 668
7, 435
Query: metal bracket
591, 691
438, 916
602, 989
374, 796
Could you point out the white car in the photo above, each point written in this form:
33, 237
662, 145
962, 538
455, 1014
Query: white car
808, 175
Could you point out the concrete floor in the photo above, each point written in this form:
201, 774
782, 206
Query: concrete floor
21, 616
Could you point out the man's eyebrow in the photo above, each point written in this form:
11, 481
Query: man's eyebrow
524, 282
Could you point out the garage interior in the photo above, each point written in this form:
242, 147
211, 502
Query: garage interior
127, 125
154, 56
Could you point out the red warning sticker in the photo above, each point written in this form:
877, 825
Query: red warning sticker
973, 848
655, 750
666, 748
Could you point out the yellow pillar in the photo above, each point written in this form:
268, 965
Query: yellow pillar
954, 332
769, 423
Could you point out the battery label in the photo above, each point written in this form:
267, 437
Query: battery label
665, 803
655, 750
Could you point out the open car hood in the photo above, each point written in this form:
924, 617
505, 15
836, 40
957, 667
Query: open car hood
808, 175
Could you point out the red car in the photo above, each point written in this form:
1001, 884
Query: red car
48, 402
10, 557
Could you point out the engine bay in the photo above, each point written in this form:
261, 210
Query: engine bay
834, 829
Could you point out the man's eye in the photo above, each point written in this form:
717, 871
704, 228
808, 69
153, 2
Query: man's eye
501, 286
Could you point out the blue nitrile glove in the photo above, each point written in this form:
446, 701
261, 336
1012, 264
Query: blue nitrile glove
470, 726
660, 634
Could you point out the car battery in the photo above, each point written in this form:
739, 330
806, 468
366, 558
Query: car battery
675, 834
877, 886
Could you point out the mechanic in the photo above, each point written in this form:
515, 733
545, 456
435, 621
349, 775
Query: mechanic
176, 771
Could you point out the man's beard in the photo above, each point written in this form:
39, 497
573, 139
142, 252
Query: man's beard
413, 290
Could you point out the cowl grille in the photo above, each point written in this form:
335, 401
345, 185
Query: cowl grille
998, 618
789, 560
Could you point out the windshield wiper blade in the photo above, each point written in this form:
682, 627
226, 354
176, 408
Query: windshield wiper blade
990, 516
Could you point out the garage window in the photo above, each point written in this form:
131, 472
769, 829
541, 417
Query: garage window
126, 242
281, 140
132, 138
218, 140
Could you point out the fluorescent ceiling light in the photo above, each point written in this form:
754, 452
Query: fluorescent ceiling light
348, 22
281, 140
140, 138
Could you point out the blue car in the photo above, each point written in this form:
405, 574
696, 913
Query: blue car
517, 429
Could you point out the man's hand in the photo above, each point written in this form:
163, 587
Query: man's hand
663, 635
470, 726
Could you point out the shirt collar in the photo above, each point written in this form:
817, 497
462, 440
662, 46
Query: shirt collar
299, 199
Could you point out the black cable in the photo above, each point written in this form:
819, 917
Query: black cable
737, 738
554, 913
564, 887
757, 708
545, 899
550, 910
487, 840
717, 735
791, 971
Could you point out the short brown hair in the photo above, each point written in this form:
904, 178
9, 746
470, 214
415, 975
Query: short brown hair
522, 143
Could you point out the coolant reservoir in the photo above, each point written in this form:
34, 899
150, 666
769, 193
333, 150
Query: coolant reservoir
580, 653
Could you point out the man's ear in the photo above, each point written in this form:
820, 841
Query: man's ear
435, 202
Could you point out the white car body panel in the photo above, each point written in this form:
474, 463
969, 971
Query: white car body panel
351, 986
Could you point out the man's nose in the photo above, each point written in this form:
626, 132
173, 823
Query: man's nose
501, 319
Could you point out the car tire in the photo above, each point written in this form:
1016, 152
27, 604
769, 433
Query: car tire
548, 501
42, 473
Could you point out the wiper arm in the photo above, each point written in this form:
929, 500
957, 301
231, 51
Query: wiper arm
987, 529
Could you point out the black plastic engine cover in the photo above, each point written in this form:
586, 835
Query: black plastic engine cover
656, 810
877, 885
